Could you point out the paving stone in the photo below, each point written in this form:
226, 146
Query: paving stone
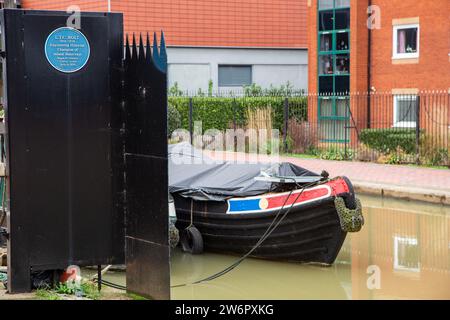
402, 181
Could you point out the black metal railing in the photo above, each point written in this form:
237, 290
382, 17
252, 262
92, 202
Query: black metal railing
392, 128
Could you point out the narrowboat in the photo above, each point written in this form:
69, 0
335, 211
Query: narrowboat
270, 211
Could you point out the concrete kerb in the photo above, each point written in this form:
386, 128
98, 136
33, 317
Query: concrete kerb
403, 192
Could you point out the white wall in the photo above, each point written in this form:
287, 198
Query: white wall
190, 76
192, 68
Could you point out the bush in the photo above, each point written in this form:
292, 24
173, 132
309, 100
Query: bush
303, 136
433, 152
173, 120
337, 153
437, 157
221, 113
387, 141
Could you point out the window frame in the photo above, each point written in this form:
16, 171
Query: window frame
335, 117
408, 55
334, 96
403, 124
234, 66
412, 241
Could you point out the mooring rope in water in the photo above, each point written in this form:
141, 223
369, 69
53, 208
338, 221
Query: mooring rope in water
273, 226
263, 238
111, 284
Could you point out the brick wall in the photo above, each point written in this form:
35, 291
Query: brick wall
432, 71
312, 59
230, 23
86, 5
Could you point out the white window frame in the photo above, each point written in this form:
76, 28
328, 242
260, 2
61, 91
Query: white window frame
411, 55
403, 124
410, 241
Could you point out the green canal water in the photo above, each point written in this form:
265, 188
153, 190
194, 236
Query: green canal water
403, 252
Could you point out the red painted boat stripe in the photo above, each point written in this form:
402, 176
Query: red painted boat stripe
279, 201
276, 201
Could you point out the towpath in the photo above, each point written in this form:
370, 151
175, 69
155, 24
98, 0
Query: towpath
409, 182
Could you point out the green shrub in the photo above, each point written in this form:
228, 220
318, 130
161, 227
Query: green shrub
222, 113
432, 155
397, 157
173, 120
389, 140
337, 153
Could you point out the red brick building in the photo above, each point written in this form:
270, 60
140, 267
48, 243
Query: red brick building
406, 51
232, 43
428, 67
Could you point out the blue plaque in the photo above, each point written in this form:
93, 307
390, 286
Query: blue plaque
67, 50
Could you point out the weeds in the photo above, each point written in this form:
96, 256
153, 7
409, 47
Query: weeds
44, 294
86, 290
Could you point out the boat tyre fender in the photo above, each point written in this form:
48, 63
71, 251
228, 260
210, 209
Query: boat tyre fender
350, 198
191, 240
351, 220
174, 235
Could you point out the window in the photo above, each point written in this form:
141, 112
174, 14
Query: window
343, 64
326, 64
334, 69
334, 115
326, 4
406, 41
405, 111
326, 20
326, 41
406, 254
342, 41
330, 4
235, 76
342, 19
342, 3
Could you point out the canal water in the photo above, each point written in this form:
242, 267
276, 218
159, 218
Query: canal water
403, 252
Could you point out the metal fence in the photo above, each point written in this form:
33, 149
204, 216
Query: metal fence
401, 128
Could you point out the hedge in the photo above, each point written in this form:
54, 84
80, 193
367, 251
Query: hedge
220, 113
389, 140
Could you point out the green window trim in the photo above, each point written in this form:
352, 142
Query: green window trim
333, 118
335, 8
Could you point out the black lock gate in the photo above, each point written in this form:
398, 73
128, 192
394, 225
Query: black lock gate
86, 149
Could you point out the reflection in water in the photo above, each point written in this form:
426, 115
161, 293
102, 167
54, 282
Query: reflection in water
409, 242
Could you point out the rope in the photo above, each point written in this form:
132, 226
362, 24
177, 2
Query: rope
192, 214
111, 284
273, 226
264, 237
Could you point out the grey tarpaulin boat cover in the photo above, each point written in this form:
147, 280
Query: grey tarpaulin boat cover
193, 175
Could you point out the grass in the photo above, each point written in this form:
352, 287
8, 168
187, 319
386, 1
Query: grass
428, 166
310, 156
44, 294
88, 290
135, 296
300, 156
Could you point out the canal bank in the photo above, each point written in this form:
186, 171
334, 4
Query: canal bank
395, 181
403, 182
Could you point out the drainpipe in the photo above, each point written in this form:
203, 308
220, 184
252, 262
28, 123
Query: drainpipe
369, 68
109, 5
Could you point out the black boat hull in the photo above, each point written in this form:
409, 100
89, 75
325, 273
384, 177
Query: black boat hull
310, 233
